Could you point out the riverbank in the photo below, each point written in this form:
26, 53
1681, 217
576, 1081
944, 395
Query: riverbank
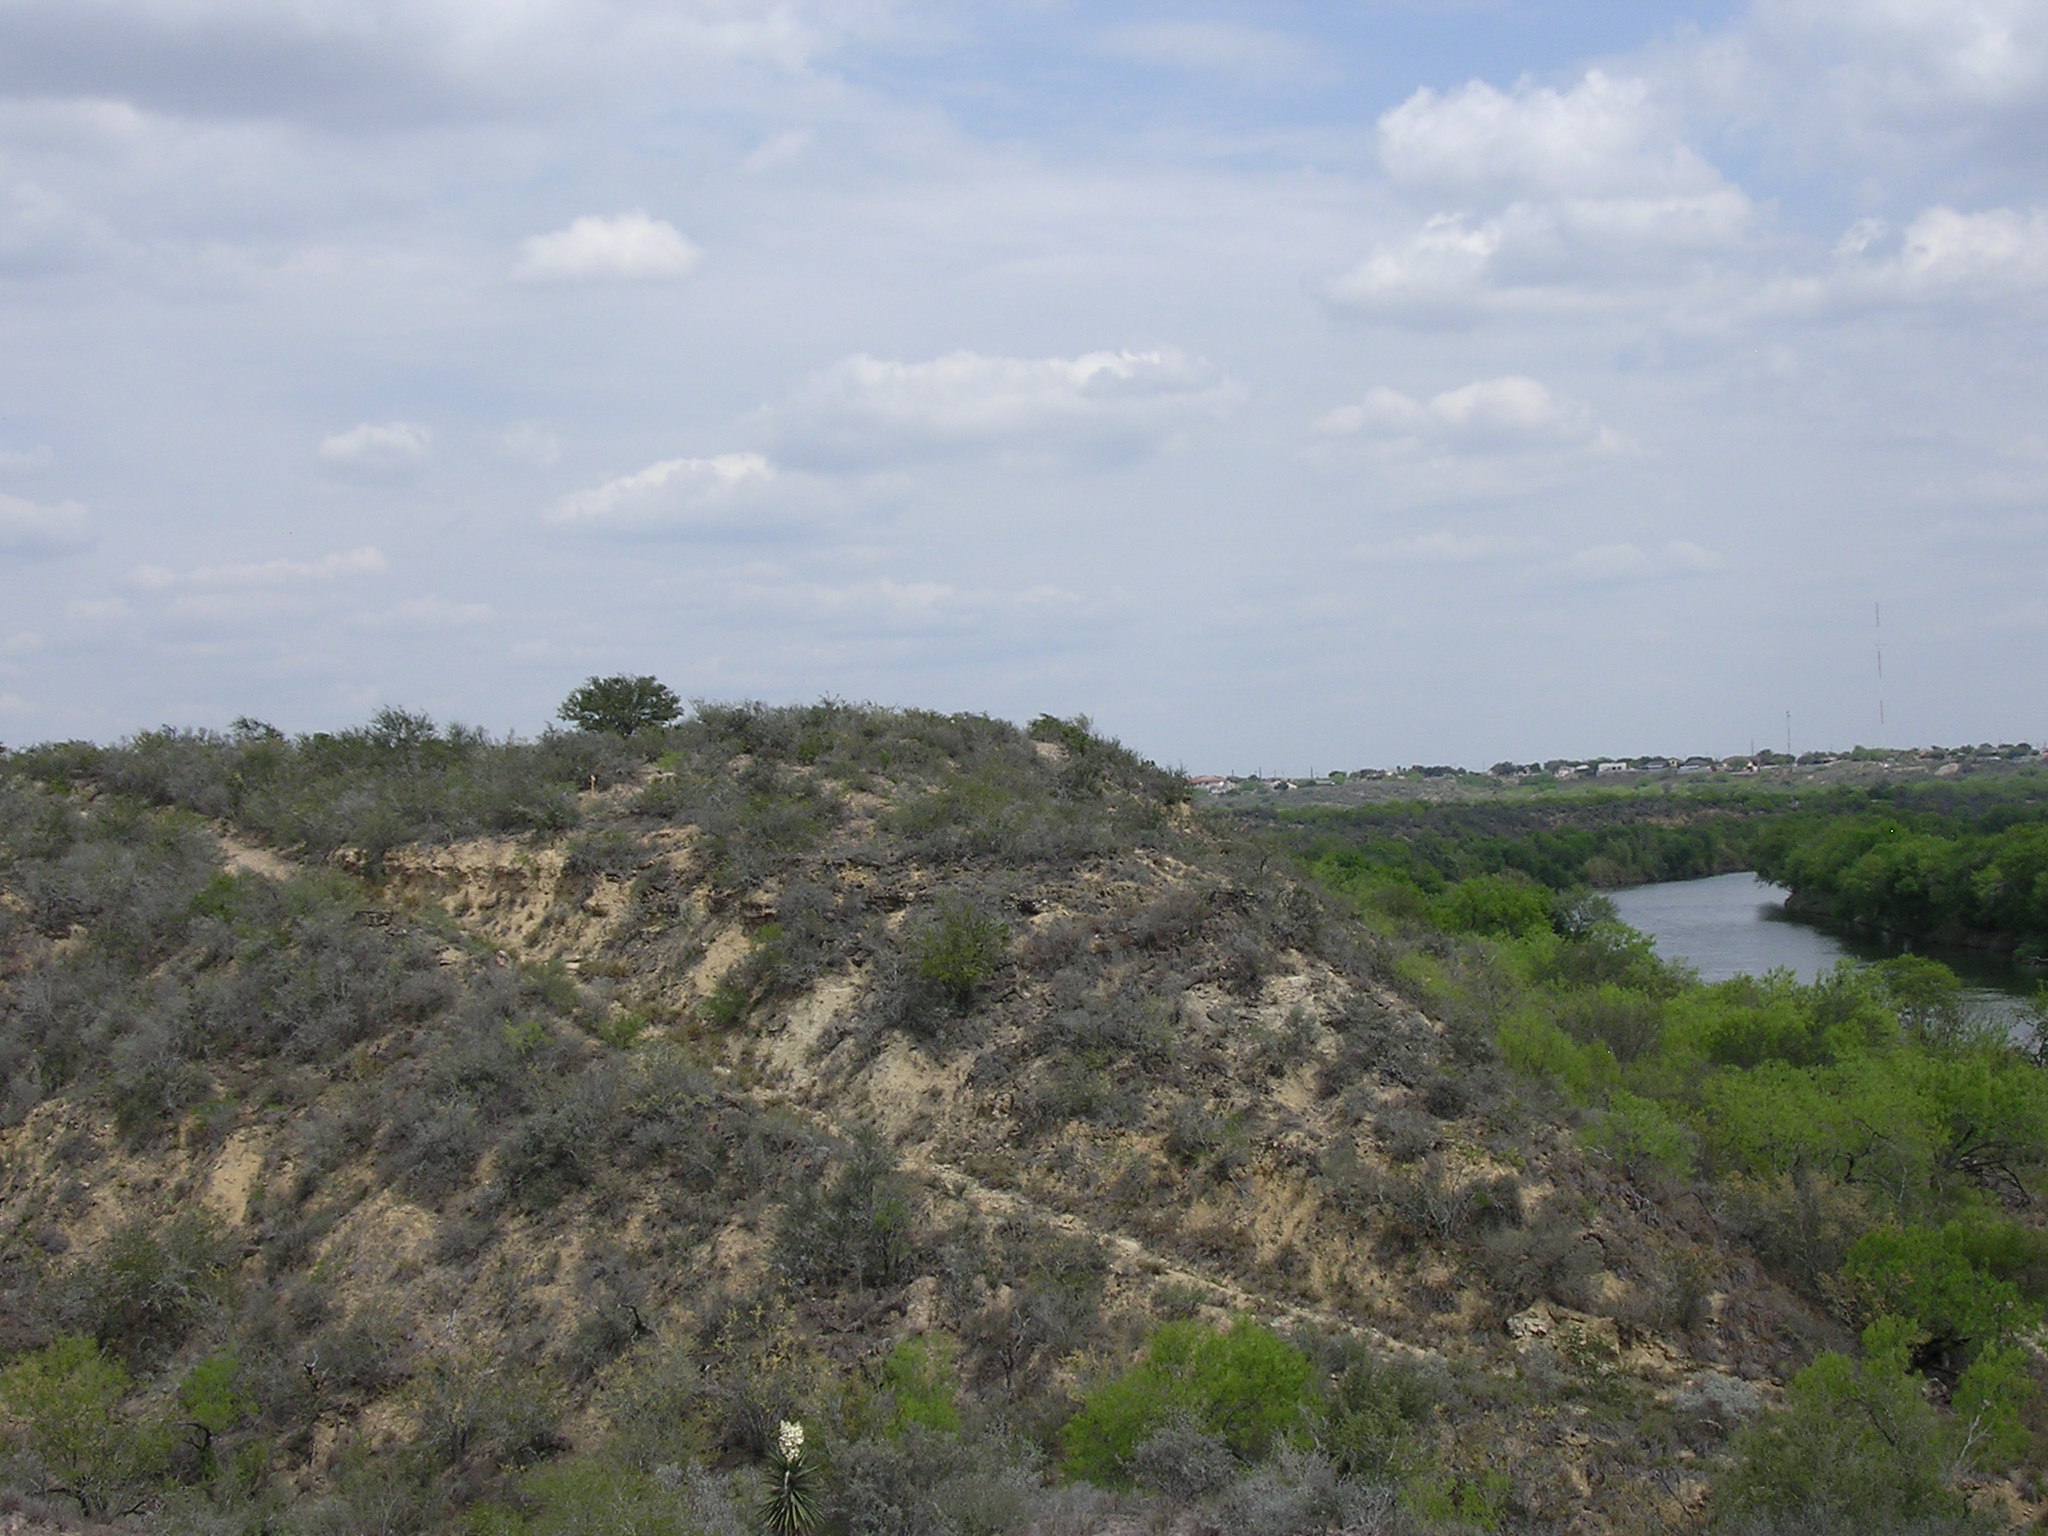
1813, 910
1724, 926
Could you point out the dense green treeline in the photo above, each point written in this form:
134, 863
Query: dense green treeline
1606, 840
1955, 862
1916, 877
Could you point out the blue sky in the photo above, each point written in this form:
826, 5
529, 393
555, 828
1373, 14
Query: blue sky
1284, 385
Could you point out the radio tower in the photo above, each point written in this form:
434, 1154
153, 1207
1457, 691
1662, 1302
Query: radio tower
1877, 613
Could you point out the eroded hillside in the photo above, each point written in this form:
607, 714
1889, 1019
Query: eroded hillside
531, 1129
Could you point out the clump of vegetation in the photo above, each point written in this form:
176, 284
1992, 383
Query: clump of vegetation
1246, 1386
399, 779
82, 1438
946, 961
857, 1228
1859, 1447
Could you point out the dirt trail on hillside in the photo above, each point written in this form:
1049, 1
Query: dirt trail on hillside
1130, 1256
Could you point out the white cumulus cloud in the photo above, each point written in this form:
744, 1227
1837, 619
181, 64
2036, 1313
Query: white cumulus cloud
378, 447
1606, 137
1987, 259
1556, 198
1568, 253
1881, 77
727, 492
1443, 263
626, 247
1096, 404
29, 528
1996, 249
1504, 415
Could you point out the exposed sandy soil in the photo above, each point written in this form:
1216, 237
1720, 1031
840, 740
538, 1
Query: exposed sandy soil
1256, 1233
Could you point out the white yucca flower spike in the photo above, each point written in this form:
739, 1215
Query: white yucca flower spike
789, 1439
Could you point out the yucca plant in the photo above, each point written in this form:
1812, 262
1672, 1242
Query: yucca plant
793, 1504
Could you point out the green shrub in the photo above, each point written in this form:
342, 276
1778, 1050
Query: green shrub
620, 1029
1511, 906
920, 1377
1247, 1385
1476, 1500
1628, 1022
68, 1401
1747, 1022
1367, 1420
151, 1285
1857, 1446
1927, 996
857, 1228
1641, 1134
726, 1005
1932, 1277
589, 1496
212, 1399
956, 955
1532, 1044
1990, 1402
1611, 954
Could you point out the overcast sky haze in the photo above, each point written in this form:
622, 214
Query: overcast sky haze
1287, 385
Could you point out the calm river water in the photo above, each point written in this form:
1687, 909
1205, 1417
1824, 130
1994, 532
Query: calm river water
1732, 925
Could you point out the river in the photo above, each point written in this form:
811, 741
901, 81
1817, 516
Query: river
1734, 925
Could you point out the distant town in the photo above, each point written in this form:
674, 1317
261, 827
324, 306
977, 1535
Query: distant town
1940, 761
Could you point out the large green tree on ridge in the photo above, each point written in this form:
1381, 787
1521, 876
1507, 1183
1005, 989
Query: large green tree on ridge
621, 704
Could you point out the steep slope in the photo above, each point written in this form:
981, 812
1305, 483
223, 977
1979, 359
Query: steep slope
807, 1063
